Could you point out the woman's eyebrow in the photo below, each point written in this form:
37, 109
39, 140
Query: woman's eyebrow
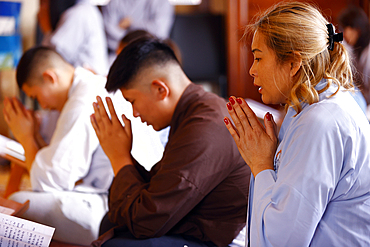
254, 50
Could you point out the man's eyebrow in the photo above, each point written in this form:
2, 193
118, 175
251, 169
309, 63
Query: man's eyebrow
254, 50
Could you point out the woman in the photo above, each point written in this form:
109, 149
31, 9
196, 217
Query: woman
311, 185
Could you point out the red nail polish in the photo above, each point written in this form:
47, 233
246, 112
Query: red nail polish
239, 101
268, 116
232, 101
226, 121
229, 106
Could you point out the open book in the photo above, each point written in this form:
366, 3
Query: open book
11, 148
261, 109
19, 232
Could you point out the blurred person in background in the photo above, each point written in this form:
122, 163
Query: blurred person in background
75, 29
356, 31
123, 16
78, 36
70, 177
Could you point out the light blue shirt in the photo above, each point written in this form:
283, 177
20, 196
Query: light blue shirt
319, 192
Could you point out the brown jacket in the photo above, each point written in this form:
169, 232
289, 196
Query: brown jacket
199, 188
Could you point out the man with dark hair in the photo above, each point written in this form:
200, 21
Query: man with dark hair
197, 194
70, 176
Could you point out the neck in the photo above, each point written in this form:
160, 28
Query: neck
179, 84
66, 78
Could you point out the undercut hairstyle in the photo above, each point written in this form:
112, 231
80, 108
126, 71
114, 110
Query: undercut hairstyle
140, 54
34, 61
295, 27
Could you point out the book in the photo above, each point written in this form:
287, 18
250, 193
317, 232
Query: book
11, 148
11, 207
19, 232
261, 109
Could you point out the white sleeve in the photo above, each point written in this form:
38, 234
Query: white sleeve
287, 208
67, 159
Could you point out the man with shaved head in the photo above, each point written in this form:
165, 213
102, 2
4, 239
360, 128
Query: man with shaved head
197, 194
71, 175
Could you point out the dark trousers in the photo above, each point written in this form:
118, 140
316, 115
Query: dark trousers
126, 239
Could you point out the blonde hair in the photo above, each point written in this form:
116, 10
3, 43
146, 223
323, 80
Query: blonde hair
294, 27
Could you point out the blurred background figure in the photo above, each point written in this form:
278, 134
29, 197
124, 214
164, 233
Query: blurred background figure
122, 16
138, 34
356, 31
78, 35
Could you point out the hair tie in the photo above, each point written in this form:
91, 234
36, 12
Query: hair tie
333, 37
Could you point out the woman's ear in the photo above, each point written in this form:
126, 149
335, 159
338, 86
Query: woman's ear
295, 64
160, 89
50, 76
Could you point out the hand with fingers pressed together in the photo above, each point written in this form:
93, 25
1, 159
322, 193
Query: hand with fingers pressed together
20, 120
256, 144
115, 139
24, 126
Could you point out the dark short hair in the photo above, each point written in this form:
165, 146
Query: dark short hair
139, 54
31, 60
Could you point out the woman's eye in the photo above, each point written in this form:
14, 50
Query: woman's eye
257, 59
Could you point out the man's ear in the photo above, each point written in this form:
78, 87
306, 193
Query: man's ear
160, 89
295, 63
50, 76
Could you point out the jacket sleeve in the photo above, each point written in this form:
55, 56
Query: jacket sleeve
191, 167
288, 206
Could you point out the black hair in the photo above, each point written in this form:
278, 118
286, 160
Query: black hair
31, 60
139, 54
356, 18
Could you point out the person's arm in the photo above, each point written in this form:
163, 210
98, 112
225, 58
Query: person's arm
192, 166
113, 14
22, 124
288, 206
115, 139
43, 16
67, 158
256, 143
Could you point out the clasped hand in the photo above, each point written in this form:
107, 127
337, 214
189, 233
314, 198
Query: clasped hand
115, 139
257, 144
22, 122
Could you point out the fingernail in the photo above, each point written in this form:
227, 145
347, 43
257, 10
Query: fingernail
268, 116
226, 121
239, 101
229, 106
232, 101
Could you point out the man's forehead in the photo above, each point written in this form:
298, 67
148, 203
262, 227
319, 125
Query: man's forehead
128, 93
28, 87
